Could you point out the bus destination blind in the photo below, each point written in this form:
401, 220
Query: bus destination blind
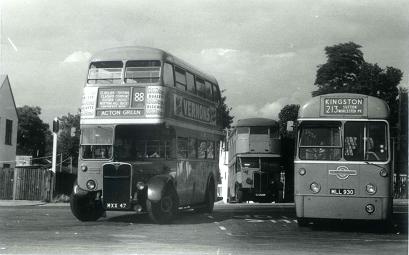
344, 106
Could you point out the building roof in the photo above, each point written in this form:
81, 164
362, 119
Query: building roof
4, 79
255, 122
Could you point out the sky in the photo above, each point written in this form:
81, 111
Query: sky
263, 53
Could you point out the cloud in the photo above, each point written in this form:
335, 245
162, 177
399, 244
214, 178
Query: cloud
78, 56
280, 55
268, 110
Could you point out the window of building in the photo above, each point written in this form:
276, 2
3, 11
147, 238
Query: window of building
9, 131
190, 83
168, 78
180, 76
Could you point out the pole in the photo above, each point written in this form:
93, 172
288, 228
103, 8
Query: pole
54, 162
70, 165
61, 163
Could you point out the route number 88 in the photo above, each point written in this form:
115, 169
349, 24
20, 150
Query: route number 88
139, 96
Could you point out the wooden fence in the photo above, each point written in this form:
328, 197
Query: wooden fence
27, 184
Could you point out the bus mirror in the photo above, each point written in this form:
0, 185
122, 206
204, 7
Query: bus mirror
290, 125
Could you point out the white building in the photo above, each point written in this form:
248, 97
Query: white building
8, 124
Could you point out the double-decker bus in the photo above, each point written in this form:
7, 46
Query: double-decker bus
150, 129
254, 161
342, 164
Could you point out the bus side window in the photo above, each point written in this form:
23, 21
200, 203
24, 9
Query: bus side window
168, 78
180, 76
202, 147
216, 94
210, 149
191, 87
182, 147
192, 148
200, 86
208, 90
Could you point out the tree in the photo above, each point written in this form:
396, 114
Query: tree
226, 118
68, 144
288, 113
33, 133
346, 71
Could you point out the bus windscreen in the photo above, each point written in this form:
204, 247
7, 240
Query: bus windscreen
365, 141
320, 141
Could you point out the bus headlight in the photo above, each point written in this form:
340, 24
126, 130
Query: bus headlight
84, 167
369, 208
371, 189
315, 187
91, 185
140, 185
302, 171
249, 181
383, 172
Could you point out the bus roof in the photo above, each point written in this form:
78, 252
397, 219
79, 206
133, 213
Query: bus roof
255, 122
345, 106
147, 53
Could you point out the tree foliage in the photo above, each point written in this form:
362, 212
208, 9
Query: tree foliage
33, 133
68, 144
288, 113
226, 118
347, 72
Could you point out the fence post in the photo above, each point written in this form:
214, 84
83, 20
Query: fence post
14, 183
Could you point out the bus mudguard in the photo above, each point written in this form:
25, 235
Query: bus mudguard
156, 185
77, 191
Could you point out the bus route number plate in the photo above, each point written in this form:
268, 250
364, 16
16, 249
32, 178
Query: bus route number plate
347, 192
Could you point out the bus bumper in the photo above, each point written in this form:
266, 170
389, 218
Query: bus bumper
326, 207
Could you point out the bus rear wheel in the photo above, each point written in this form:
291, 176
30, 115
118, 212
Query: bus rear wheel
209, 200
86, 208
164, 210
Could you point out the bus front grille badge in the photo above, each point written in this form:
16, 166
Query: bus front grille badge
342, 172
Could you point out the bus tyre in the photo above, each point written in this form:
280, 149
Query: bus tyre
302, 222
86, 208
239, 195
209, 200
164, 210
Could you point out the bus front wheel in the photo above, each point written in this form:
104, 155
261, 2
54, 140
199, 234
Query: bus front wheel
164, 210
86, 208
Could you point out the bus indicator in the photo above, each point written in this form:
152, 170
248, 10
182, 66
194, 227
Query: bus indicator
344, 106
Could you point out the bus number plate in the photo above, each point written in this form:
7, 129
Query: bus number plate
342, 192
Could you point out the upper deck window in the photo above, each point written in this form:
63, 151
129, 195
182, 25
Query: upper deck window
216, 94
365, 141
190, 83
320, 141
142, 71
208, 90
200, 86
180, 76
168, 78
259, 130
105, 72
